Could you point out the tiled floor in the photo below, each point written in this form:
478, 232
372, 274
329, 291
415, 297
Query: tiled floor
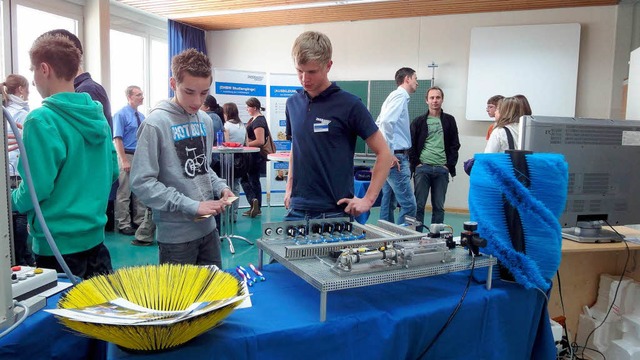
125, 254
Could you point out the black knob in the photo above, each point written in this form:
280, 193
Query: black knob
470, 226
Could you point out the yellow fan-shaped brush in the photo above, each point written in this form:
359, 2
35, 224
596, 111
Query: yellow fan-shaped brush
167, 287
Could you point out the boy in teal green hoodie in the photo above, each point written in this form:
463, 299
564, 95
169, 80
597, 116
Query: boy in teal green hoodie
72, 161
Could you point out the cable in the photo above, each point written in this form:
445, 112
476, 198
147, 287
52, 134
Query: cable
20, 321
626, 263
34, 198
560, 292
576, 346
564, 327
454, 312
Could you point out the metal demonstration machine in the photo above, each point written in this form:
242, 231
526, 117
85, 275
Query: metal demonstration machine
336, 254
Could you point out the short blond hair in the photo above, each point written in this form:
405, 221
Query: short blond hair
312, 46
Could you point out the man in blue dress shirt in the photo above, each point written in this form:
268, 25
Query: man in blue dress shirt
394, 122
125, 126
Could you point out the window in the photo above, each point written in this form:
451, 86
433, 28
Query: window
127, 68
139, 52
141, 36
159, 71
2, 58
31, 23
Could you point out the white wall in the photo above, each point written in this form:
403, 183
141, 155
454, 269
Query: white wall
375, 49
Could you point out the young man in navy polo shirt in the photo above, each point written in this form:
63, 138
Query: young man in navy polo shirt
323, 122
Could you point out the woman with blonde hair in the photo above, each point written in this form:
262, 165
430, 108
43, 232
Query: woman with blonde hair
508, 116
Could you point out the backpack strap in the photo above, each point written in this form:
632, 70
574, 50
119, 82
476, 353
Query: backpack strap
510, 139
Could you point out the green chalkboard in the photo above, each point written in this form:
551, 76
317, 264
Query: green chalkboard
380, 89
374, 92
361, 90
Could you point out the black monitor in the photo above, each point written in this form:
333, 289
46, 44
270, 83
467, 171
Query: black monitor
604, 170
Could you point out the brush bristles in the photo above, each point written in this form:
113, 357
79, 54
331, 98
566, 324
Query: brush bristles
167, 287
492, 181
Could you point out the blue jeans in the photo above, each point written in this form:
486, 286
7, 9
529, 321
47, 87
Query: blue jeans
436, 179
295, 215
397, 189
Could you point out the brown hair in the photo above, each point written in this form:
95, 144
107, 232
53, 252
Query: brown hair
11, 85
526, 108
192, 62
510, 110
254, 103
403, 73
231, 110
59, 52
495, 99
434, 88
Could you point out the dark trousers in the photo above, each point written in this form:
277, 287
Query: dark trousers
23, 253
85, 264
251, 181
202, 251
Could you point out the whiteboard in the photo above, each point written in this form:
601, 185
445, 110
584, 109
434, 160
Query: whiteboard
633, 87
538, 61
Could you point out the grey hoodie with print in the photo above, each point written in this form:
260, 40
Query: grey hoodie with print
170, 172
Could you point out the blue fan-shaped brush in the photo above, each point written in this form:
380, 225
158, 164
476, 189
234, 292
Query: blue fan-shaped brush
493, 182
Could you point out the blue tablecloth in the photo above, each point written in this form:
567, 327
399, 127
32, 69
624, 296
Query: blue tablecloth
389, 321
41, 336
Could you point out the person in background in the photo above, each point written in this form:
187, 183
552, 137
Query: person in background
212, 106
324, 122
171, 173
125, 127
234, 131
257, 133
15, 98
508, 115
526, 108
145, 233
433, 155
218, 120
492, 105
394, 123
65, 139
83, 83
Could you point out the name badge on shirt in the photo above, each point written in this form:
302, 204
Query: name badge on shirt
321, 125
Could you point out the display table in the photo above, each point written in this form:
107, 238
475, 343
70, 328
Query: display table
389, 321
580, 270
226, 167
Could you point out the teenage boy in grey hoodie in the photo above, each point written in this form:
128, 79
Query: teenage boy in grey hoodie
170, 172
